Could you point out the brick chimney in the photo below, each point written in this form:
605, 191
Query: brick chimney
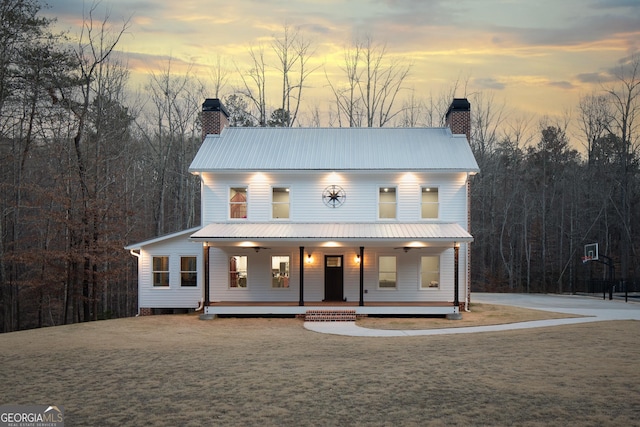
458, 117
214, 117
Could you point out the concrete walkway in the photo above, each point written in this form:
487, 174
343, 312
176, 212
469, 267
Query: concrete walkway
597, 310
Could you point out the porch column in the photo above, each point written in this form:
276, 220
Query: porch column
301, 302
206, 274
456, 278
361, 276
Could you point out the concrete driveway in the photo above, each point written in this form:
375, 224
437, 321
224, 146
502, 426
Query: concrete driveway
596, 310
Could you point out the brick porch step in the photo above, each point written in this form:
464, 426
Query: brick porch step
330, 316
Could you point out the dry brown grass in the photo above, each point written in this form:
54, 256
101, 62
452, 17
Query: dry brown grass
479, 315
178, 370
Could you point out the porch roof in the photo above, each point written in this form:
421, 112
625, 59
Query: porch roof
366, 234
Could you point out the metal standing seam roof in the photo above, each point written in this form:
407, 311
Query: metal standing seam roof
138, 245
289, 232
263, 149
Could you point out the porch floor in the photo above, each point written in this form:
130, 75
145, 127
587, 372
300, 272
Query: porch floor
423, 308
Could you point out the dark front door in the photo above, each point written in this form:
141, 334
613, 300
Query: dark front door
333, 278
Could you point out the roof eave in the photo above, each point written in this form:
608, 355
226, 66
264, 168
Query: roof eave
272, 169
241, 242
139, 245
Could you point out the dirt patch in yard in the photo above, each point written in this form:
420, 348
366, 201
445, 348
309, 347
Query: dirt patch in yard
179, 370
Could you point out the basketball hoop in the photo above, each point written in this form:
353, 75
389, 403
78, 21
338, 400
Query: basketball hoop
586, 259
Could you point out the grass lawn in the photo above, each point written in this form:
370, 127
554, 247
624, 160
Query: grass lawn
181, 371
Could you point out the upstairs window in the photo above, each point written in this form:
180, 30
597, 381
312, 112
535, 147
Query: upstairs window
430, 272
387, 202
429, 203
280, 202
238, 202
188, 271
161, 271
238, 272
387, 272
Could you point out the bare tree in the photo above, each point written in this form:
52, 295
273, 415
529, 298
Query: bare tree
436, 105
382, 85
374, 83
173, 141
96, 43
290, 50
30, 62
594, 119
348, 103
254, 84
624, 96
219, 76
292, 54
411, 111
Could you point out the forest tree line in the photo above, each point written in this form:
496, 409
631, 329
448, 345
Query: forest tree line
87, 168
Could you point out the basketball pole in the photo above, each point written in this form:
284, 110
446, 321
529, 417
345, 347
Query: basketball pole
611, 273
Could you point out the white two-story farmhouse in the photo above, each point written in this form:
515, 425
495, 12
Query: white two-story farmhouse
372, 218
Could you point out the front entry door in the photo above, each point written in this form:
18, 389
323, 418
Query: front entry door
333, 278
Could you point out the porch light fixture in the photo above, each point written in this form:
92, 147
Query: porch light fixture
309, 259
357, 259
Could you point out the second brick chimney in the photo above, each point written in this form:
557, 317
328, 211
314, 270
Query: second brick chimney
214, 117
458, 117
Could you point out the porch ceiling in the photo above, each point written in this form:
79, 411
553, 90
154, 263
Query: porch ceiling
333, 235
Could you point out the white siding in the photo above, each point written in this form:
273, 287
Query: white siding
174, 296
258, 275
408, 276
361, 189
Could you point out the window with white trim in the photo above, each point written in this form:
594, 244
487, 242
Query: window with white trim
280, 202
238, 202
160, 265
387, 273
279, 271
430, 272
387, 202
188, 271
238, 271
429, 203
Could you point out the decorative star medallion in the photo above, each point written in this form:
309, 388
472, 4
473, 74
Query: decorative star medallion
333, 196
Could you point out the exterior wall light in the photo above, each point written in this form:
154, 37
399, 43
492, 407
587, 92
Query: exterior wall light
309, 259
357, 259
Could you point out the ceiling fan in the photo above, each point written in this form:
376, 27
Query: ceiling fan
404, 248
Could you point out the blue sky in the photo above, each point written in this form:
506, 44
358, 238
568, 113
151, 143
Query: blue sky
538, 57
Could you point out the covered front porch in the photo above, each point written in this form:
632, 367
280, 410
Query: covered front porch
336, 267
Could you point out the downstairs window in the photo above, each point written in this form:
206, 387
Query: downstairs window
160, 271
430, 272
238, 271
387, 272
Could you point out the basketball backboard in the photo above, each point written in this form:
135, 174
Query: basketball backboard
591, 251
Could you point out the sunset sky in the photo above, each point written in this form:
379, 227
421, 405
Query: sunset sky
536, 57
